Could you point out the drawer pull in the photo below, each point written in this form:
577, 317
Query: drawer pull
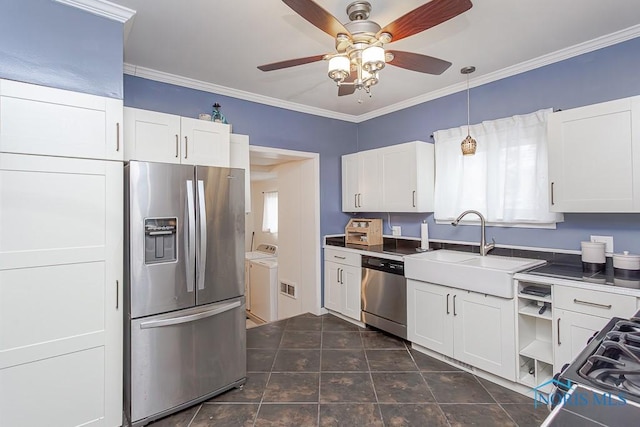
592, 304
340, 257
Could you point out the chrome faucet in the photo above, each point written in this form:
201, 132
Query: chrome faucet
484, 248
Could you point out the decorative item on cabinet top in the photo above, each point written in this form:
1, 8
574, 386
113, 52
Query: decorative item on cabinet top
361, 231
217, 116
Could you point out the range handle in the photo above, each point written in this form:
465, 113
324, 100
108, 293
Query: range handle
201, 256
189, 318
190, 236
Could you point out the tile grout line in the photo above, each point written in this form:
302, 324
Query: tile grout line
375, 393
496, 400
195, 414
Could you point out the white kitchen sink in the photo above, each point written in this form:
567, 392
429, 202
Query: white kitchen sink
490, 274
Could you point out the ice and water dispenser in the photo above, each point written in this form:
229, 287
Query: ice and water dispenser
160, 240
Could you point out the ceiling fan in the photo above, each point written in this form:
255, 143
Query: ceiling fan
359, 43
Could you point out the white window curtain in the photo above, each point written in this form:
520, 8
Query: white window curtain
507, 178
270, 212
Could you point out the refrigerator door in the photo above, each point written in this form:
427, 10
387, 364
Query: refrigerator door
220, 230
184, 356
161, 205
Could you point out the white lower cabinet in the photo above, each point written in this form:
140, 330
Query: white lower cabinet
61, 291
473, 328
342, 280
579, 313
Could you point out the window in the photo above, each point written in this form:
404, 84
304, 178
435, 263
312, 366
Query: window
270, 212
507, 178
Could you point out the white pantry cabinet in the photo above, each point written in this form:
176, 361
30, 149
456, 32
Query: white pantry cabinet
342, 279
396, 178
594, 157
239, 158
473, 328
42, 120
61, 228
167, 138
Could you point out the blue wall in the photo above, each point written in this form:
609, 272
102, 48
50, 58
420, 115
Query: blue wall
597, 76
266, 126
50, 44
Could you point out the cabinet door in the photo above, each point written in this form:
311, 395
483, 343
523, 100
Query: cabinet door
205, 143
41, 120
332, 286
351, 278
350, 182
484, 331
239, 158
430, 316
399, 179
370, 180
152, 136
593, 152
571, 332
60, 290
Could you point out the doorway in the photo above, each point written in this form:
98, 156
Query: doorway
295, 176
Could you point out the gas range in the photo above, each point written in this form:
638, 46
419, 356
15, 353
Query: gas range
602, 385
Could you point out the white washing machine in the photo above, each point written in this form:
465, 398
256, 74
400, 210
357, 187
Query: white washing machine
262, 251
263, 285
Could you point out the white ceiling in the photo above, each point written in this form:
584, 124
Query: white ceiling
217, 45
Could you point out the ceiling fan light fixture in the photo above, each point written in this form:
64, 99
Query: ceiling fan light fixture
339, 67
373, 58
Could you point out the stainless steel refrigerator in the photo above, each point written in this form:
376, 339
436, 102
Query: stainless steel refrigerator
185, 330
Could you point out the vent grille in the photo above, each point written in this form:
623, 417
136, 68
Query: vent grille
288, 289
457, 362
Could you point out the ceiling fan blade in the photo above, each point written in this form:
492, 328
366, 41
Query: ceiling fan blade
417, 62
347, 89
319, 17
290, 63
424, 17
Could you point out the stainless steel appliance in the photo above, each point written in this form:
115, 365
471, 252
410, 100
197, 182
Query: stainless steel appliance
384, 295
185, 329
602, 384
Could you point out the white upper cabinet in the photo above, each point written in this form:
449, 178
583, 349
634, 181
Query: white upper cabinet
361, 190
407, 177
239, 158
166, 138
42, 120
593, 154
397, 178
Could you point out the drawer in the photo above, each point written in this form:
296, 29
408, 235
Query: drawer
596, 303
342, 257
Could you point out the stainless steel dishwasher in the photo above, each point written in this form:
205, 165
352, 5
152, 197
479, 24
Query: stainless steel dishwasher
384, 295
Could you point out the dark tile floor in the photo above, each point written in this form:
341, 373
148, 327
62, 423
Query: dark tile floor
323, 371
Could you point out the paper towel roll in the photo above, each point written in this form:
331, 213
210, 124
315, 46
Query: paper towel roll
424, 236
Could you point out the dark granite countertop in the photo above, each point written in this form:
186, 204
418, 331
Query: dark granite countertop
390, 245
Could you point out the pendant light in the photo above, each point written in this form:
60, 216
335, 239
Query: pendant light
468, 145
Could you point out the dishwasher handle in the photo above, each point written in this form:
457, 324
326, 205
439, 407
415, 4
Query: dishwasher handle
382, 264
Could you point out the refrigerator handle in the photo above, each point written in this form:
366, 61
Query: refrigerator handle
202, 253
190, 318
190, 236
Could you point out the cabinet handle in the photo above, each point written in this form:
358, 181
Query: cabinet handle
338, 275
355, 200
186, 146
117, 136
340, 257
117, 294
177, 145
552, 203
448, 303
592, 304
414, 198
559, 343
454, 305
341, 271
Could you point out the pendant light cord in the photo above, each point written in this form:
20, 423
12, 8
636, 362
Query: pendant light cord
468, 108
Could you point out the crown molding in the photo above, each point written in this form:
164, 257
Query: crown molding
163, 77
102, 8
541, 61
560, 55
